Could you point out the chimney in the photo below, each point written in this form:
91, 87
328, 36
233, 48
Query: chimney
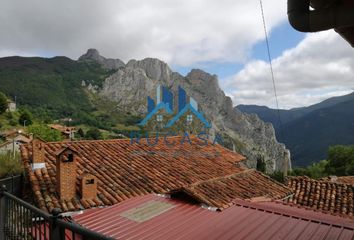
88, 186
38, 154
66, 173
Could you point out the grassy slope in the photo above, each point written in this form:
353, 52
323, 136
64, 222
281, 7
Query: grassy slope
51, 88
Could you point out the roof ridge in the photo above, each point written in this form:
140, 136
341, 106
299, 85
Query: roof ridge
222, 177
262, 207
5, 143
121, 139
308, 179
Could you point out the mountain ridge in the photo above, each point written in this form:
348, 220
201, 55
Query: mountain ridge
130, 86
126, 88
309, 131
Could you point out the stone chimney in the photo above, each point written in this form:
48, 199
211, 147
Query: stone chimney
88, 186
66, 173
38, 154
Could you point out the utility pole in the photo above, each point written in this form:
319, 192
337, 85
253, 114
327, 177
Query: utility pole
13, 148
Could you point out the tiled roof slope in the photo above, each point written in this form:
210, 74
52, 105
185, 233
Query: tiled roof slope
325, 196
126, 170
343, 179
248, 185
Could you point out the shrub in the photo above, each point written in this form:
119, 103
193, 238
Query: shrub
93, 134
10, 164
25, 118
45, 132
278, 176
3, 103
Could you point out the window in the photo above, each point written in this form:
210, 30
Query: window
189, 118
159, 118
70, 158
90, 181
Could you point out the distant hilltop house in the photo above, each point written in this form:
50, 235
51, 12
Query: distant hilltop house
11, 106
164, 115
67, 132
13, 139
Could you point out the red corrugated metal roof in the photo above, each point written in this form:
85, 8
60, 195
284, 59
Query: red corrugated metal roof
244, 220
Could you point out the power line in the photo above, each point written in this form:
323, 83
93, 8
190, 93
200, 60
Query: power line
271, 71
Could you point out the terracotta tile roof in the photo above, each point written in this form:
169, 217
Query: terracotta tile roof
249, 185
126, 170
343, 179
325, 196
63, 129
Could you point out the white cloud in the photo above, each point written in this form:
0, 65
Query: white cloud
181, 32
319, 67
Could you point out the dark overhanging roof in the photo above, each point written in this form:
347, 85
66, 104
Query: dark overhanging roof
325, 15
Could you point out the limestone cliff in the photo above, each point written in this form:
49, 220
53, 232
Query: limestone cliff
108, 63
130, 85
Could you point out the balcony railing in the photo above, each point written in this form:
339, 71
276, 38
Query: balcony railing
21, 220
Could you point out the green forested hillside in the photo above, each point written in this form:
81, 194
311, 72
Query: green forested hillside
51, 88
53, 84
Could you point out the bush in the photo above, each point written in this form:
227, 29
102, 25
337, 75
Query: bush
9, 115
261, 165
93, 134
12, 122
340, 160
81, 133
278, 176
316, 170
25, 118
45, 132
10, 164
3, 103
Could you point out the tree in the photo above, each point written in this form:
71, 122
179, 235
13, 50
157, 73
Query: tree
340, 160
45, 132
3, 103
94, 134
81, 133
315, 170
278, 176
10, 164
25, 118
261, 165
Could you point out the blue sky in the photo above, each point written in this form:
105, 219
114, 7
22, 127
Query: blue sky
281, 38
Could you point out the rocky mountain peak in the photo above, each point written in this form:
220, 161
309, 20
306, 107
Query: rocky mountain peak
154, 68
130, 86
93, 54
203, 79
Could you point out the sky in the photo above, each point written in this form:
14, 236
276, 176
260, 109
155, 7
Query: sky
221, 37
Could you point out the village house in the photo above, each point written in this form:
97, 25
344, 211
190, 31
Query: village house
124, 170
191, 191
11, 106
333, 195
13, 139
67, 132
